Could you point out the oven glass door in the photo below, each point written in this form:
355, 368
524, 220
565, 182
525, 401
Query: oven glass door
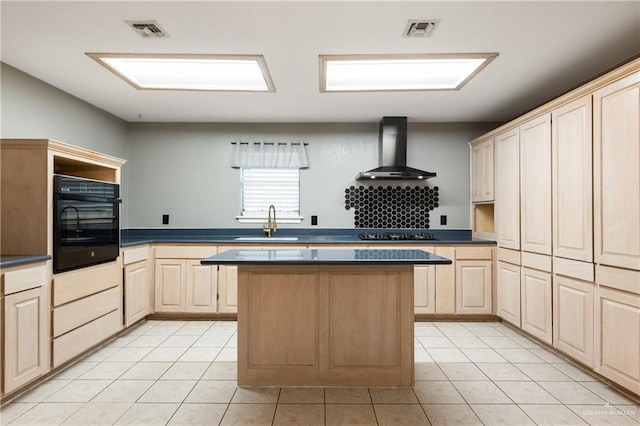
86, 233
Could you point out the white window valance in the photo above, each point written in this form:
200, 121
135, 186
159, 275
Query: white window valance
270, 155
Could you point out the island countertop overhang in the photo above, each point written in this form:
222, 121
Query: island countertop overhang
326, 257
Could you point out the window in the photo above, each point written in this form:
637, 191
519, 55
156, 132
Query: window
264, 187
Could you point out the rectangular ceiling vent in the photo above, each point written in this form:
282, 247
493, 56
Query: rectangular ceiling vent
420, 27
147, 28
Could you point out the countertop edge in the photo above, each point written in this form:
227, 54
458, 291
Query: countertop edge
9, 261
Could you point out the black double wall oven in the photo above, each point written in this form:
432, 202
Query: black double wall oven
86, 219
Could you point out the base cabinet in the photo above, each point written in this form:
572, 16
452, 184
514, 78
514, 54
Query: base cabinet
617, 337
473, 286
184, 285
446, 282
535, 309
25, 337
228, 287
424, 289
509, 292
171, 279
573, 318
201, 287
136, 292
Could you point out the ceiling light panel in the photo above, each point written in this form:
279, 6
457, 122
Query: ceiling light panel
190, 72
346, 73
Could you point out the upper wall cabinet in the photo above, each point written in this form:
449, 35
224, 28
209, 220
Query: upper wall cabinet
482, 172
572, 180
508, 189
535, 185
616, 141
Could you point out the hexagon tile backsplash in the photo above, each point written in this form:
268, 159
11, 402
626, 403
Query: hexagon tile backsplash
405, 207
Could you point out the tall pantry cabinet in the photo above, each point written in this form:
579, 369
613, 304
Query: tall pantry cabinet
567, 223
616, 108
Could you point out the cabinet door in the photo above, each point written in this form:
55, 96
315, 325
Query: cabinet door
508, 189
228, 289
482, 171
535, 185
424, 289
573, 318
136, 292
446, 282
535, 309
572, 176
202, 287
170, 285
477, 167
617, 337
509, 292
25, 337
473, 286
616, 141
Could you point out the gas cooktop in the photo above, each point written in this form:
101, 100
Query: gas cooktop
396, 236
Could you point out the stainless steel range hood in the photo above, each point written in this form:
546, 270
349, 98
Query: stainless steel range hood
392, 154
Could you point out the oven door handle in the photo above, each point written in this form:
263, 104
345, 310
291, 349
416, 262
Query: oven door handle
87, 198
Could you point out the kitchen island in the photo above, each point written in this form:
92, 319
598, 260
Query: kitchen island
325, 317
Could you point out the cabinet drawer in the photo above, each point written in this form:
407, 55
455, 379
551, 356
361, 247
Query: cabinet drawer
83, 282
79, 340
509, 256
540, 262
25, 279
133, 255
80, 312
185, 252
473, 253
574, 269
622, 279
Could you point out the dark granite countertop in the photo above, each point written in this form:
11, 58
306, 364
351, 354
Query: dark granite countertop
289, 236
325, 257
7, 261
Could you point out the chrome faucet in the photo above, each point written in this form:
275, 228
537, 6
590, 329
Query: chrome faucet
271, 225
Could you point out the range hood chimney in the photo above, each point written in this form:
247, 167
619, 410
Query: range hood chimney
392, 154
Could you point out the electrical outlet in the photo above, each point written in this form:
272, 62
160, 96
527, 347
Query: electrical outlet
165, 219
314, 220
443, 219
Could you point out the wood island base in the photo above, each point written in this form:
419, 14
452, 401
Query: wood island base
325, 325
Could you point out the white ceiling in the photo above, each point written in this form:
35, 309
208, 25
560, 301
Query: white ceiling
545, 49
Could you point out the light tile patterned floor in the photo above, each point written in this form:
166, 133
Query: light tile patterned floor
183, 373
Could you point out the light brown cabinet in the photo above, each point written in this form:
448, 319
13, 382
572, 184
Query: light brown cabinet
507, 206
136, 292
616, 146
573, 318
182, 284
595, 223
26, 326
424, 289
473, 278
138, 298
535, 185
572, 179
508, 296
482, 158
446, 282
170, 288
535, 310
617, 336
201, 287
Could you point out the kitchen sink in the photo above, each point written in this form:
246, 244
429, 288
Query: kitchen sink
266, 239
